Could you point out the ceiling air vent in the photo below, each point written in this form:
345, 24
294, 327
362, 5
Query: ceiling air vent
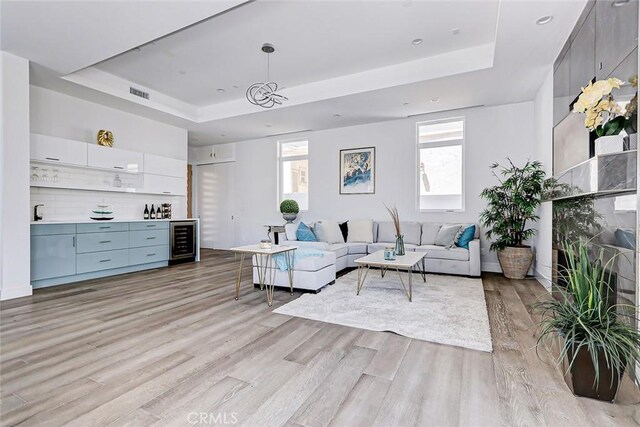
138, 92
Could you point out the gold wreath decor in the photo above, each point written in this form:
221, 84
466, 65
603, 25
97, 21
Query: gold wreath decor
105, 138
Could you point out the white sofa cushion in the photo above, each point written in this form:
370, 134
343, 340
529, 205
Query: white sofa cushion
322, 246
386, 232
429, 233
440, 252
375, 247
357, 248
328, 231
410, 230
360, 231
340, 249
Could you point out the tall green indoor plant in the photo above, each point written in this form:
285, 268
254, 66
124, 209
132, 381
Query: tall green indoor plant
599, 338
511, 208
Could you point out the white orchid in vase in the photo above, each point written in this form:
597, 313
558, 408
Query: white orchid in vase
603, 114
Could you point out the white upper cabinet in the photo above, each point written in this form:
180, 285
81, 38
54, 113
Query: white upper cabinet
160, 184
224, 153
216, 153
58, 150
159, 165
115, 159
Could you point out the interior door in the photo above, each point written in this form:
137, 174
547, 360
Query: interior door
215, 203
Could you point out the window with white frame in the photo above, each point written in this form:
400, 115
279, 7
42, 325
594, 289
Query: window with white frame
441, 165
293, 173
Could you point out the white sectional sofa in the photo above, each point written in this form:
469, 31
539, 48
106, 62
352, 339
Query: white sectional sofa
417, 237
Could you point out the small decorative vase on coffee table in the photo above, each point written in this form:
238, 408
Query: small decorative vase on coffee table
400, 245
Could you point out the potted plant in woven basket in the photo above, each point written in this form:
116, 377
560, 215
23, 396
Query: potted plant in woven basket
289, 209
599, 339
511, 209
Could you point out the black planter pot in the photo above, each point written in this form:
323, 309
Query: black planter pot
583, 376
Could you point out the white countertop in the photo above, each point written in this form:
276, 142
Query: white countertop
90, 221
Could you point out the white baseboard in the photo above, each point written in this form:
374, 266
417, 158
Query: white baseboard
492, 267
544, 281
15, 292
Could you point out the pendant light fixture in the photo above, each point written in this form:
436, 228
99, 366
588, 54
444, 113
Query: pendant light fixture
264, 94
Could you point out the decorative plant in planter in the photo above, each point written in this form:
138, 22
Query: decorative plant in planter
597, 343
289, 209
511, 207
604, 116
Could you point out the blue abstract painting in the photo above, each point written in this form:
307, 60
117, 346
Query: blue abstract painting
357, 171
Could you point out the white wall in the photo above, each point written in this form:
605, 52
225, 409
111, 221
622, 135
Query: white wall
492, 134
57, 114
14, 177
543, 151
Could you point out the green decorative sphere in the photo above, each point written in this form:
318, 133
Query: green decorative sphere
289, 206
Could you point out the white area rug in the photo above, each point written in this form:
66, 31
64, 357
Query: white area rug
447, 309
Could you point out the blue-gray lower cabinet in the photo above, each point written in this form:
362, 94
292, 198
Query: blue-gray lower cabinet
96, 261
53, 256
66, 253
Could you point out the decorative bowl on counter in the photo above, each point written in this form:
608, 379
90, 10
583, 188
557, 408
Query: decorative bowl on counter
102, 213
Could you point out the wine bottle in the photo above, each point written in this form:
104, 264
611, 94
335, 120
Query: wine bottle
158, 213
153, 212
146, 212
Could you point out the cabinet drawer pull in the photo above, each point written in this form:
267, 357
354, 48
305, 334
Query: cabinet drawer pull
107, 227
74, 241
166, 192
52, 158
105, 241
105, 260
151, 225
118, 167
151, 254
150, 238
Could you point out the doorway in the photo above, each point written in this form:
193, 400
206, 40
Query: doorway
215, 204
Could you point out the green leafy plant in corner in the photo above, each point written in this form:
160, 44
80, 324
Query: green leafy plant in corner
289, 206
512, 204
583, 317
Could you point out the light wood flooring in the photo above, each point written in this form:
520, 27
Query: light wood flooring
154, 347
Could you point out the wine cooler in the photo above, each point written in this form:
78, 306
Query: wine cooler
183, 241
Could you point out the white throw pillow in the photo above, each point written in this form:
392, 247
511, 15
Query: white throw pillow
328, 231
290, 230
360, 231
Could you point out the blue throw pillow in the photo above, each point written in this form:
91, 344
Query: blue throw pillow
466, 237
305, 234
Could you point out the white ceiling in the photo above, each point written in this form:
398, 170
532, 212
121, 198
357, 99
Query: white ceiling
350, 58
314, 40
69, 35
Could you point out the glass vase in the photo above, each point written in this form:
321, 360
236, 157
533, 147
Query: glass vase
400, 244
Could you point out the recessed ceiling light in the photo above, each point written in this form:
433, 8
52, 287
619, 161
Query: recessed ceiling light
455, 31
236, 86
435, 99
220, 90
337, 115
222, 134
267, 126
619, 3
544, 20
405, 103
416, 42
183, 72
